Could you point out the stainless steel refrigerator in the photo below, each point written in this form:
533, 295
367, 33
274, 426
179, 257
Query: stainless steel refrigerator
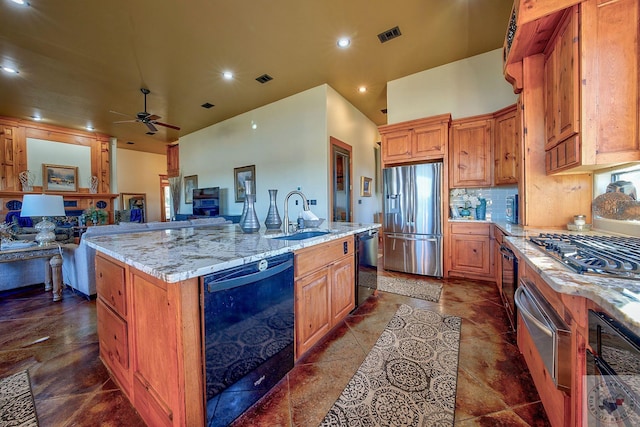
412, 223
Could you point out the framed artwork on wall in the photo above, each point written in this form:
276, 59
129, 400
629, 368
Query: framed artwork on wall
365, 186
240, 175
190, 182
59, 178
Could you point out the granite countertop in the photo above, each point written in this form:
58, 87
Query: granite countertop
179, 254
619, 297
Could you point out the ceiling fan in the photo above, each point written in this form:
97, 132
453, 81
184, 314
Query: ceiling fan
149, 120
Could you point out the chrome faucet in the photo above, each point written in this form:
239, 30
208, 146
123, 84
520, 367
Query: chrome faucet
305, 206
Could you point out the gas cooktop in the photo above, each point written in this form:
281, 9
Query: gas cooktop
604, 255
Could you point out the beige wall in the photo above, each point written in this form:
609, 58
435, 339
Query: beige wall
138, 172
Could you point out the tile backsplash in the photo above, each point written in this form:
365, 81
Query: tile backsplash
496, 208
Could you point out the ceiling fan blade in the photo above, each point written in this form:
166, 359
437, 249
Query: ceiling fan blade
117, 112
151, 127
153, 117
167, 125
126, 121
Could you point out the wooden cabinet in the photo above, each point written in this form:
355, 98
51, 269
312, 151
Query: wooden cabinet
416, 140
470, 252
470, 152
324, 290
149, 335
506, 147
173, 160
592, 114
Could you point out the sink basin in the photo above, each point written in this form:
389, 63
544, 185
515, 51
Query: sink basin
302, 235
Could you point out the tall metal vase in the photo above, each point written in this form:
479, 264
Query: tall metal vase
249, 222
273, 221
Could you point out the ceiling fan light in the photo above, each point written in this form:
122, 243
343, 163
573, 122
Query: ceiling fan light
10, 70
227, 75
21, 2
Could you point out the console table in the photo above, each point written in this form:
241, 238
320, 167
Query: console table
53, 268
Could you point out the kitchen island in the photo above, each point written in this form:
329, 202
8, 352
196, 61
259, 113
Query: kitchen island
149, 306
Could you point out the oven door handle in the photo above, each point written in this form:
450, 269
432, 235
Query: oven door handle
519, 296
506, 253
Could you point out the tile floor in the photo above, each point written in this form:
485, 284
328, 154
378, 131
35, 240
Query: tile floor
57, 343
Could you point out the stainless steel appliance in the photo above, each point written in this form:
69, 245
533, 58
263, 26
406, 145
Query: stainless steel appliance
613, 369
549, 333
511, 213
586, 254
367, 264
412, 223
248, 334
509, 283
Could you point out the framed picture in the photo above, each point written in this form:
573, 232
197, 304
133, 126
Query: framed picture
136, 203
365, 186
240, 175
59, 178
190, 182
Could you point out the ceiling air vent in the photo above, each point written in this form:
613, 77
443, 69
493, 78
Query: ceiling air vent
264, 78
385, 36
207, 105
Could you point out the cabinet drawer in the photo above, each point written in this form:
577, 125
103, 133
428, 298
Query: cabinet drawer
467, 228
319, 256
113, 338
110, 284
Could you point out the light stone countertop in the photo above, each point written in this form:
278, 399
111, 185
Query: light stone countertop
179, 254
618, 297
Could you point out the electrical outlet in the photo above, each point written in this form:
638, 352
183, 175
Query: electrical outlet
313, 202
296, 202
359, 201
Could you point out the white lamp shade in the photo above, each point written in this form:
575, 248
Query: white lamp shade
42, 205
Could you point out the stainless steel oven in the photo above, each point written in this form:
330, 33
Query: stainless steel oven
549, 332
509, 283
613, 373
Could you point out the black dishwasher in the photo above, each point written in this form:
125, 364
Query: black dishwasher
248, 334
367, 265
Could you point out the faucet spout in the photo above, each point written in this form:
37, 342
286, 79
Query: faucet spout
305, 206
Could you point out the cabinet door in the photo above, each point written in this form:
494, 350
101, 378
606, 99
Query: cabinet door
471, 154
342, 289
506, 149
429, 142
568, 68
396, 146
114, 344
551, 101
312, 309
173, 160
471, 254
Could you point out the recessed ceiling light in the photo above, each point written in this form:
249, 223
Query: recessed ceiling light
89, 127
362, 89
21, 2
36, 118
344, 42
10, 70
227, 75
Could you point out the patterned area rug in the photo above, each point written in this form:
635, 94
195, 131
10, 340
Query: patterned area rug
416, 288
16, 401
408, 378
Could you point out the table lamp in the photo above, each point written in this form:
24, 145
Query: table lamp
43, 205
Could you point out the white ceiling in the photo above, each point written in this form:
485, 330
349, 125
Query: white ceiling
79, 60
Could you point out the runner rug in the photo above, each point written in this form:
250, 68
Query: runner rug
16, 401
415, 288
408, 378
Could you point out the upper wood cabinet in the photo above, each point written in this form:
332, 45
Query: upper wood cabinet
506, 143
591, 88
173, 160
415, 140
470, 152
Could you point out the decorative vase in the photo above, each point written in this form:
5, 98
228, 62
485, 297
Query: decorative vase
249, 222
273, 220
465, 212
481, 210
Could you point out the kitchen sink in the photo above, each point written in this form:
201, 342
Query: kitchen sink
302, 235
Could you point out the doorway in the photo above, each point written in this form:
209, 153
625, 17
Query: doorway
341, 182
165, 198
